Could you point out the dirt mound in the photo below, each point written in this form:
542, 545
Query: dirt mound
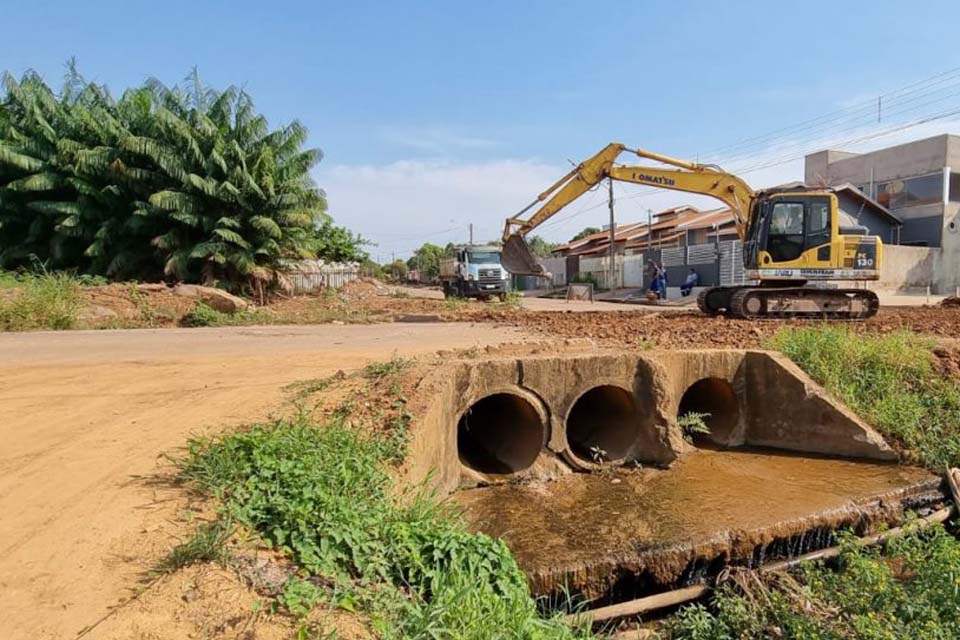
952, 301
123, 305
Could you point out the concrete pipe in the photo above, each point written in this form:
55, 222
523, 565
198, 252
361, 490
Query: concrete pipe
603, 424
716, 397
500, 434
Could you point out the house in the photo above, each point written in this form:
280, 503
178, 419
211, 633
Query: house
674, 227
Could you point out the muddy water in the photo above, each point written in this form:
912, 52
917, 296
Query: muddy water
611, 535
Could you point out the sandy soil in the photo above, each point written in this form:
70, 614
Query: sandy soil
85, 418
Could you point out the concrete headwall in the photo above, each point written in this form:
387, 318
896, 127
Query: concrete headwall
559, 414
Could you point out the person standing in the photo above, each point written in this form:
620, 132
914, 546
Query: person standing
693, 279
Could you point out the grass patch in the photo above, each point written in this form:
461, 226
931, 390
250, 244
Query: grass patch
325, 496
39, 301
909, 592
889, 380
203, 315
206, 544
379, 370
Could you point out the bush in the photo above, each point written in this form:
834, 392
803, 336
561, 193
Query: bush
890, 380
39, 301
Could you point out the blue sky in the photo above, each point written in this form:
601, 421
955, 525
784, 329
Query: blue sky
433, 115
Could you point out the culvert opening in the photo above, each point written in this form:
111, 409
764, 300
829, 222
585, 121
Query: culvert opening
603, 424
501, 433
716, 398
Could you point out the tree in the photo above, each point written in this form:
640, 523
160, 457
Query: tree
587, 231
540, 247
339, 244
182, 182
426, 260
396, 270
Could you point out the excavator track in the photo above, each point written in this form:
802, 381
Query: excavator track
715, 300
802, 302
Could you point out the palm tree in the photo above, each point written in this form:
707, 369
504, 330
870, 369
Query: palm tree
185, 181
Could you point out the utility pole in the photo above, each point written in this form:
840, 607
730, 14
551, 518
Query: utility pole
613, 235
649, 228
471, 234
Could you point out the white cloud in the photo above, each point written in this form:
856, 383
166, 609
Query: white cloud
434, 140
403, 204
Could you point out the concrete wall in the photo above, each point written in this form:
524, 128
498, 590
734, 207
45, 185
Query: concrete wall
902, 161
909, 268
948, 277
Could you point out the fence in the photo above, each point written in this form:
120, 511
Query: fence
311, 275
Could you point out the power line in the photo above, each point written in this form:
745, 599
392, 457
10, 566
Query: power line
866, 107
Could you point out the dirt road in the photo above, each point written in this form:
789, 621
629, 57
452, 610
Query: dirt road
86, 416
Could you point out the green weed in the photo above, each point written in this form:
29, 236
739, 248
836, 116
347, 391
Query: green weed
206, 544
890, 380
202, 315
380, 370
325, 496
693, 424
39, 301
646, 344
909, 593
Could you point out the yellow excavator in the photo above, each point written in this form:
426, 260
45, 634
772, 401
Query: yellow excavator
791, 237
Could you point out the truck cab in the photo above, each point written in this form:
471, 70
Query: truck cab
474, 272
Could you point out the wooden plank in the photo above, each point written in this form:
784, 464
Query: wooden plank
640, 605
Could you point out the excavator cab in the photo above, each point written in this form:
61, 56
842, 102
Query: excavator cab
802, 236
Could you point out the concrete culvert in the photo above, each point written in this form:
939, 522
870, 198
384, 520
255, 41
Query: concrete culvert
716, 397
603, 424
502, 433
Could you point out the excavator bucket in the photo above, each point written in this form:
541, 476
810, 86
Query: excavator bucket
517, 258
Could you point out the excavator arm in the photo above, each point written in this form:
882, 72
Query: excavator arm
686, 176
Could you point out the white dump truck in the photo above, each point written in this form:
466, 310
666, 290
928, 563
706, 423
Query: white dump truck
474, 272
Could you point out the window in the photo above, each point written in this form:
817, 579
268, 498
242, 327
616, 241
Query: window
911, 192
818, 223
785, 235
787, 219
484, 256
819, 218
955, 187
